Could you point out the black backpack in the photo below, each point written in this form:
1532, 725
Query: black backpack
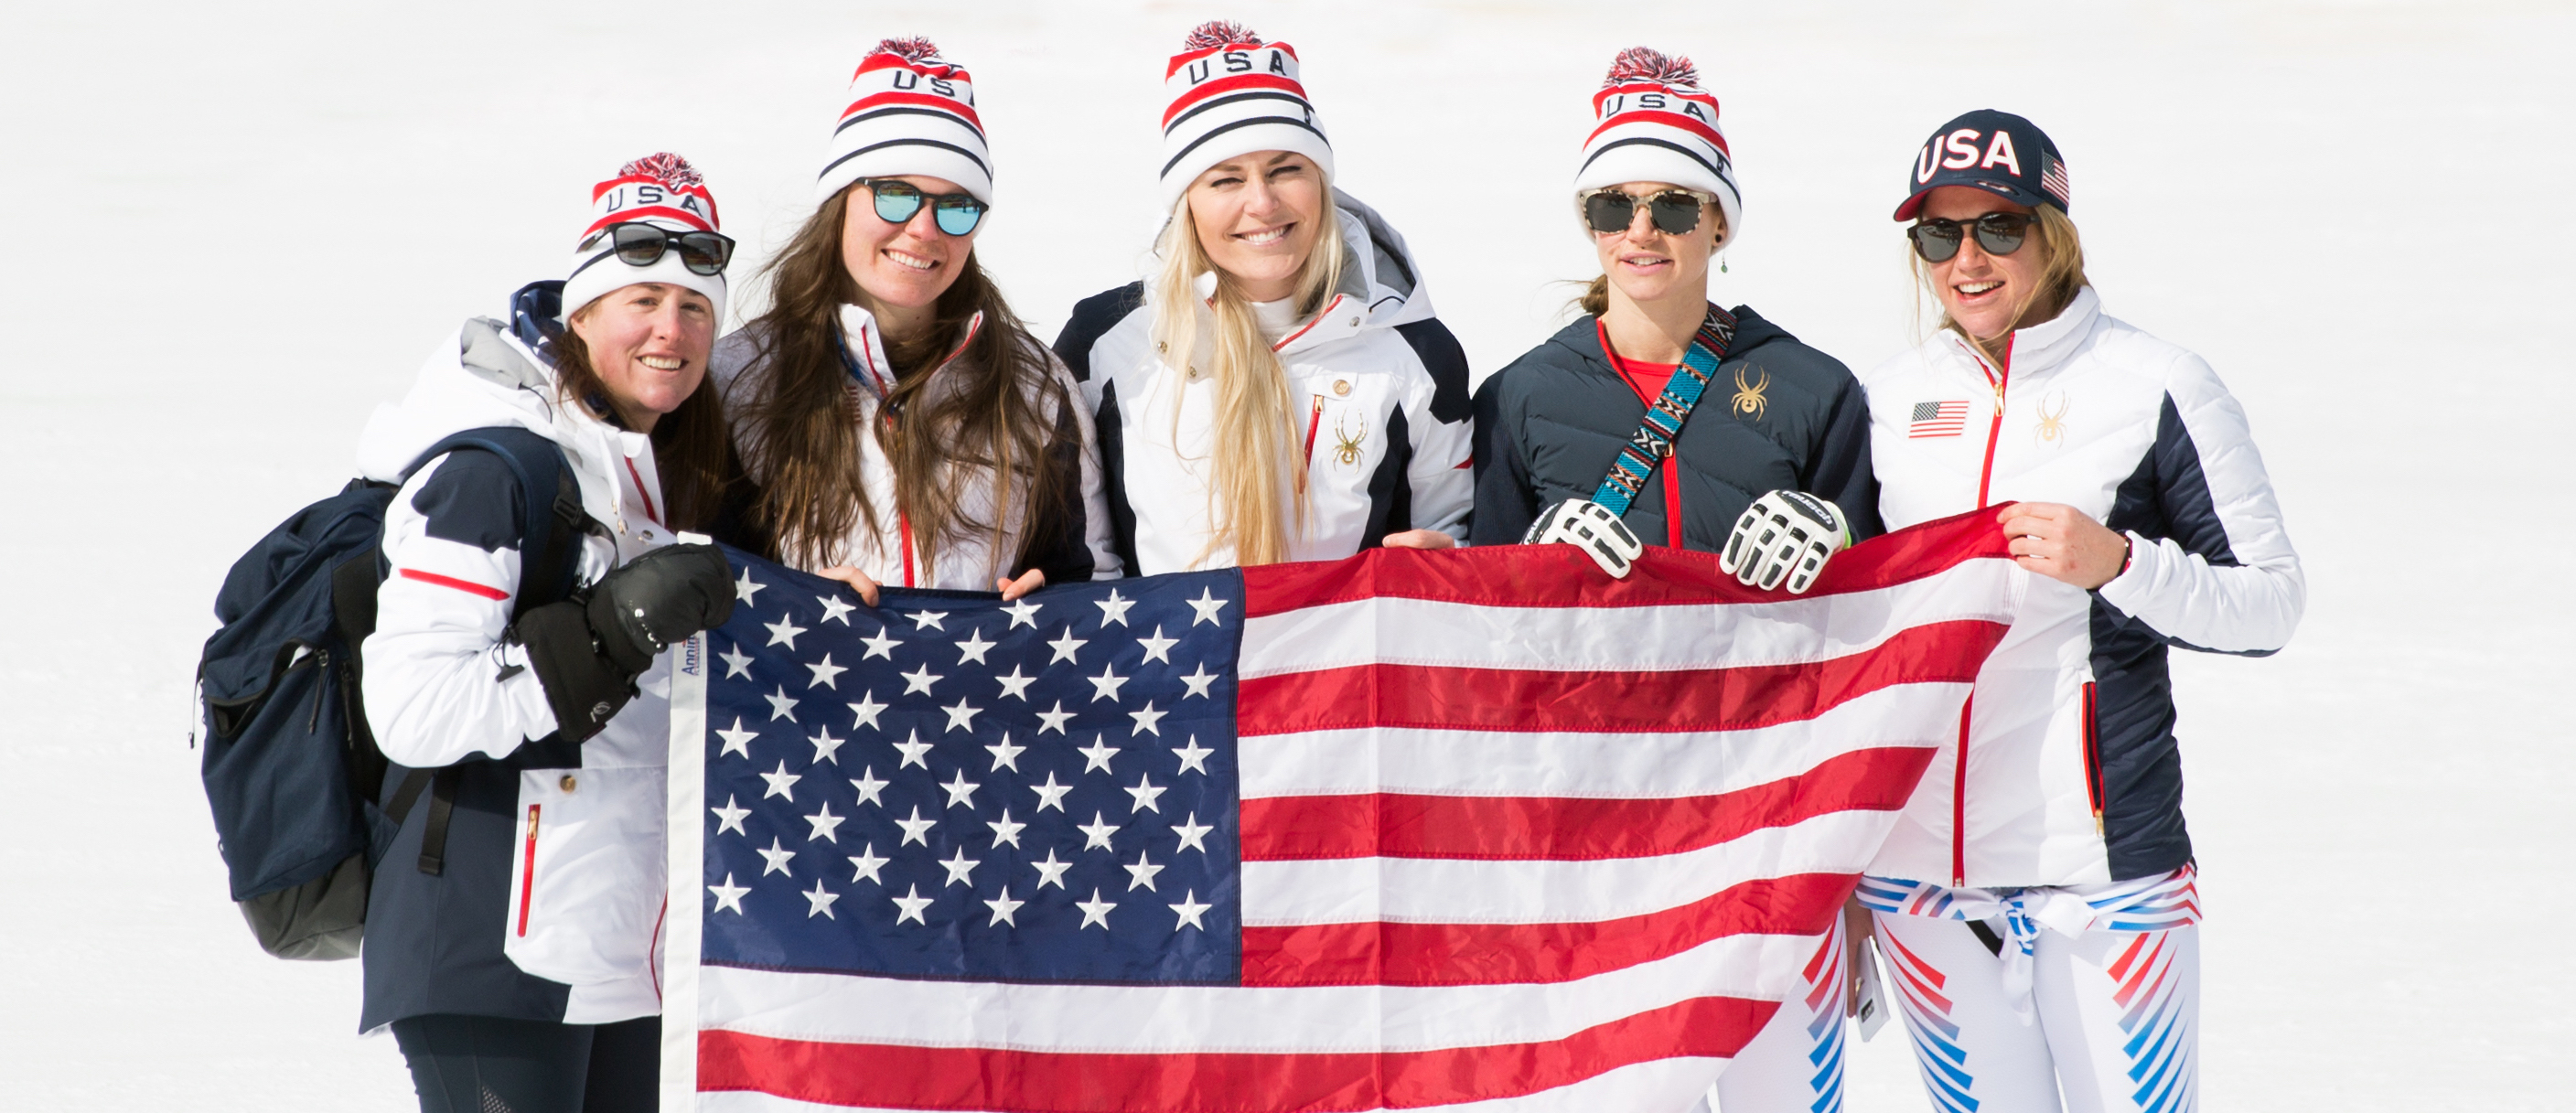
291, 769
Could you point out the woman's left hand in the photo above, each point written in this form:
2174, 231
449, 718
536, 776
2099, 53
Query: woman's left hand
1420, 539
1029, 581
2063, 543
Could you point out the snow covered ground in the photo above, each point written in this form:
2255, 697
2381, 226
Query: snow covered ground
234, 228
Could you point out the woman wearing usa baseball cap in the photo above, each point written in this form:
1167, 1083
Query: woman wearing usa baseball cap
2042, 876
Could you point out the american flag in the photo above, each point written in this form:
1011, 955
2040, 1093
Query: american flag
1938, 419
2053, 179
1405, 831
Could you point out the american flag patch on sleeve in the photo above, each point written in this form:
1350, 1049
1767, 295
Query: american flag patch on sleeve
1938, 419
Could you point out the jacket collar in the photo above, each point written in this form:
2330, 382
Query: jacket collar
1381, 285
863, 349
2043, 347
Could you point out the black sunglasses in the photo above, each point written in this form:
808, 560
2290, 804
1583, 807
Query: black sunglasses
1674, 211
898, 202
641, 245
1936, 240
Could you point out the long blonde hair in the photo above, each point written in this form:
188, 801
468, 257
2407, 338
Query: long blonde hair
2061, 274
1255, 425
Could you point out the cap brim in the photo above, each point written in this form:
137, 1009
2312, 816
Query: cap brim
1914, 201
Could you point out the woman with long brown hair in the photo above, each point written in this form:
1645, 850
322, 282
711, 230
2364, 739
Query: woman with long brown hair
1278, 389
900, 423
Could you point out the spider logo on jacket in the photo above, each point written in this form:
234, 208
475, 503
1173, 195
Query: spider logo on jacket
2052, 423
1748, 396
1347, 442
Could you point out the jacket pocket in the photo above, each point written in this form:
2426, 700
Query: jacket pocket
2093, 751
585, 874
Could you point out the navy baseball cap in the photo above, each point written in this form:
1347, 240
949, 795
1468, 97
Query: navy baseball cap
1993, 151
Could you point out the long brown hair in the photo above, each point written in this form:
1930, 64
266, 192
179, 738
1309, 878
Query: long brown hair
690, 444
997, 407
2061, 275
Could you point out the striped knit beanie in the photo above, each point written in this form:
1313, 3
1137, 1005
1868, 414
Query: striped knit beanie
1657, 125
1231, 94
910, 112
661, 190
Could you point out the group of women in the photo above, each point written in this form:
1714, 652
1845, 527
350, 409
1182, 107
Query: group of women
1277, 389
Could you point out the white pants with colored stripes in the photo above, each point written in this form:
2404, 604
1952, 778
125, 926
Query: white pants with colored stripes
1796, 1063
2088, 1002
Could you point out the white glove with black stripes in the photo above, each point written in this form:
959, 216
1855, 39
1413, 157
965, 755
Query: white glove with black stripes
1785, 535
1591, 527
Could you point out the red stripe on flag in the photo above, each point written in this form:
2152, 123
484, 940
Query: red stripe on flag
1440, 697
469, 587
1411, 954
1560, 576
1556, 829
890, 1076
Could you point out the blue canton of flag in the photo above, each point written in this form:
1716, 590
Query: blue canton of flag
946, 786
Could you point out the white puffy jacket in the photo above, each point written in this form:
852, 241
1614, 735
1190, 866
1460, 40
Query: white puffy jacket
443, 686
1377, 383
2067, 771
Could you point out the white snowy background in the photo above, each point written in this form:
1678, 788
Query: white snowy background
232, 229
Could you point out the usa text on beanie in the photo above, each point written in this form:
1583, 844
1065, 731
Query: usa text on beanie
1229, 94
1657, 125
662, 190
910, 112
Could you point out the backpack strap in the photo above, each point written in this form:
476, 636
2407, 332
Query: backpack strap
1653, 440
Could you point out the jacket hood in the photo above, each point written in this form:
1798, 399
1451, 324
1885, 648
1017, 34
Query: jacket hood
485, 377
1752, 331
1379, 267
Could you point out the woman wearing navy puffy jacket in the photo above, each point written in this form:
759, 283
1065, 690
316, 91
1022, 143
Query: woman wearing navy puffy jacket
2035, 904
513, 927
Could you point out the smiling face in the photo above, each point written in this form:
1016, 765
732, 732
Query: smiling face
1258, 216
648, 343
1647, 264
901, 269
1983, 293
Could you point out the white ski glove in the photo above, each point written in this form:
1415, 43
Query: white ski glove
1591, 527
1784, 534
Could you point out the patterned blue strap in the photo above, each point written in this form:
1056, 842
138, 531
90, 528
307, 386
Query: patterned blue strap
1653, 440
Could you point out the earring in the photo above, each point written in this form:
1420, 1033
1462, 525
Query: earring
1721, 264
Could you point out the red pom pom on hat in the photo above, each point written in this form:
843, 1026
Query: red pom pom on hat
664, 167
916, 50
1639, 63
1217, 34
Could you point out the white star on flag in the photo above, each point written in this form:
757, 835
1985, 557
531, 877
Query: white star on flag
1050, 872
962, 717
777, 857
1194, 756
729, 895
1105, 686
1005, 755
1140, 873
1097, 755
961, 869
745, 588
1146, 793
825, 673
1016, 685
826, 747
736, 739
927, 620
1065, 646
1005, 831
1146, 719
1113, 609
1023, 613
1199, 682
866, 710
1094, 911
1095, 835
909, 907
1054, 720
868, 865
834, 610
1207, 605
960, 793
1003, 908
819, 901
1193, 834
737, 662
879, 646
1050, 794
783, 631
729, 817
914, 751
915, 829
919, 680
974, 648
1189, 908
871, 790
1158, 647
826, 825
781, 706
781, 783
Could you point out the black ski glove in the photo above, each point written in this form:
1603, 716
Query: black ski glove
588, 650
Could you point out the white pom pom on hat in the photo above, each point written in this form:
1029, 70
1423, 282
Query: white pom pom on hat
1227, 93
1658, 125
909, 112
662, 190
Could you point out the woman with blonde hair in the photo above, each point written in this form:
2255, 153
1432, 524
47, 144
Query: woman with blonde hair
1278, 389
902, 425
